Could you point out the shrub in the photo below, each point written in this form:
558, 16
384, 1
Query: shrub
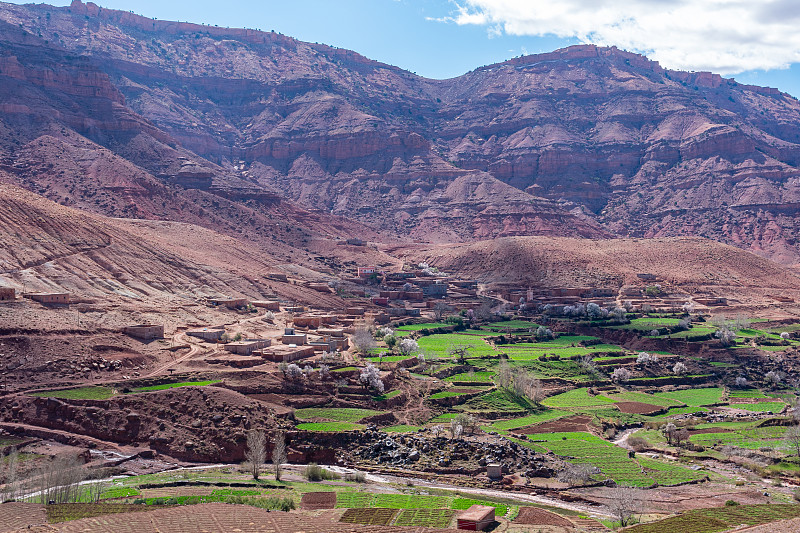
356, 477
408, 346
773, 378
646, 358
679, 369
370, 378
314, 472
726, 336
621, 375
731, 503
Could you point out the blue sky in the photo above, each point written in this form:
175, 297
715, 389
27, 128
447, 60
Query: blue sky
446, 38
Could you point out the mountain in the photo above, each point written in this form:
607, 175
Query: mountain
132, 264
581, 142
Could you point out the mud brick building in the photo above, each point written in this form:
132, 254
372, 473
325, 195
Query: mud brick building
145, 331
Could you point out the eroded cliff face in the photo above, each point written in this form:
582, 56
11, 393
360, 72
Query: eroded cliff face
584, 141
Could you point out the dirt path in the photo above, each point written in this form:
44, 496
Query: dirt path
622, 438
600, 512
178, 338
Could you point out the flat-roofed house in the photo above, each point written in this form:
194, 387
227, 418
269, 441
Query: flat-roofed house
145, 331
476, 518
50, 298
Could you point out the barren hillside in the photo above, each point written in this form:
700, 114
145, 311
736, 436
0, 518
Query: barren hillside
688, 265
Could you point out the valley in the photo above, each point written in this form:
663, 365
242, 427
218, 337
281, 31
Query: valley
249, 283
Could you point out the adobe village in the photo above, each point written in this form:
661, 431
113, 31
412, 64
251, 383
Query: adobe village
255, 284
423, 399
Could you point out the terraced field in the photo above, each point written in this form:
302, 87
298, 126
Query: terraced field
719, 519
166, 386
330, 426
438, 345
576, 398
337, 414
83, 393
530, 420
613, 461
695, 397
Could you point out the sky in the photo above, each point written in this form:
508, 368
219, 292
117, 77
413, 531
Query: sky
753, 41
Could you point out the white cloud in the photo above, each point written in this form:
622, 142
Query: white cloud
724, 36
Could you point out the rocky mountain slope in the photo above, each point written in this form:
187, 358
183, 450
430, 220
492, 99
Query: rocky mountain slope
581, 142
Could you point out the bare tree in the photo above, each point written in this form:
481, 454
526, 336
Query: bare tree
773, 378
11, 463
440, 309
579, 474
526, 385
59, 480
98, 486
588, 365
467, 422
669, 430
645, 358
484, 311
460, 351
726, 336
503, 375
625, 503
680, 437
256, 453
363, 340
279, 454
456, 428
792, 439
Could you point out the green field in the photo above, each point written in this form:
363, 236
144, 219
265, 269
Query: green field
499, 401
427, 325
437, 505
388, 358
648, 323
480, 377
775, 407
337, 414
512, 325
530, 420
83, 393
330, 426
576, 398
402, 428
438, 345
445, 394
166, 386
632, 396
747, 393
438, 518
695, 397
387, 396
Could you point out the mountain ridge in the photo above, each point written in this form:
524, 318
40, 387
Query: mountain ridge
598, 141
